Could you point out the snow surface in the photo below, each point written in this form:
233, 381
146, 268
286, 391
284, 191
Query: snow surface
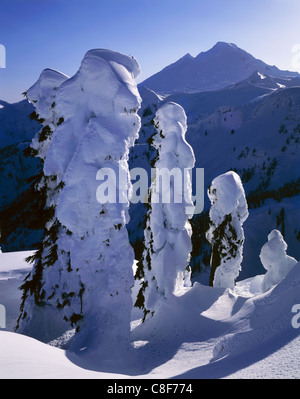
204, 333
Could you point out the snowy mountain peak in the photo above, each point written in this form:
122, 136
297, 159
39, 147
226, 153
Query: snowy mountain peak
187, 57
224, 46
224, 50
203, 73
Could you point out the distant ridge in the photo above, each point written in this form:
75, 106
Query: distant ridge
223, 65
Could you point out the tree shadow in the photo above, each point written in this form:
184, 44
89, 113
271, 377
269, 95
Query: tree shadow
232, 364
157, 341
263, 327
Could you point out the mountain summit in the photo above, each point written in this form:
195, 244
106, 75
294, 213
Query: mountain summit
222, 65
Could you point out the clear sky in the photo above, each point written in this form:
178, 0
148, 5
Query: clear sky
38, 34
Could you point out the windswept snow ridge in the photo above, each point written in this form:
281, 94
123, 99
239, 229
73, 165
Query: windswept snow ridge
265, 324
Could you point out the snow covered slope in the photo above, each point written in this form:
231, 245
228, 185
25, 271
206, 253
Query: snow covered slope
15, 168
16, 132
250, 128
15, 125
13, 270
203, 333
261, 134
203, 72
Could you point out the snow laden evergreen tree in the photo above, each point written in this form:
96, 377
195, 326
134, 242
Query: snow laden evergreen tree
168, 231
90, 281
227, 214
43, 96
275, 260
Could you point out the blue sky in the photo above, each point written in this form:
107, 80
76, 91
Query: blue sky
57, 33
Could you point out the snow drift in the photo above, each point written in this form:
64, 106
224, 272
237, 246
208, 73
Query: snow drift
204, 333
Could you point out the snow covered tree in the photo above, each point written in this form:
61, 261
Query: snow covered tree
91, 277
42, 95
275, 260
168, 231
228, 212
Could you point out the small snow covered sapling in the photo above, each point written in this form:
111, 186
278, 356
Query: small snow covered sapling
275, 260
168, 231
228, 212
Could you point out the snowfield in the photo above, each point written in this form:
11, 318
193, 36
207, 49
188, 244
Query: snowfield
203, 332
